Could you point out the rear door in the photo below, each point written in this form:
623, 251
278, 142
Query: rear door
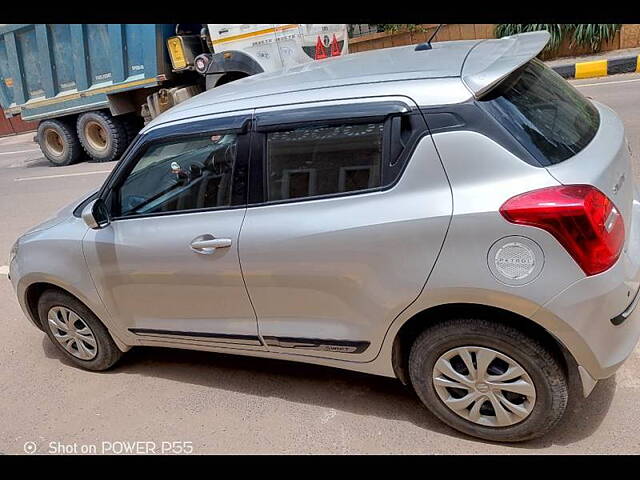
348, 209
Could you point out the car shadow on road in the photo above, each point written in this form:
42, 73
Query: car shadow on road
338, 389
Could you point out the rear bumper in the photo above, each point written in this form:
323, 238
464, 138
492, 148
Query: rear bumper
596, 318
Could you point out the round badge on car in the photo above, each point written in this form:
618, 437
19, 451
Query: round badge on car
515, 260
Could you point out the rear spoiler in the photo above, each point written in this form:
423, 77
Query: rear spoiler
490, 61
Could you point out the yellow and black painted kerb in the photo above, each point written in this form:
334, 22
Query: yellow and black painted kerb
599, 68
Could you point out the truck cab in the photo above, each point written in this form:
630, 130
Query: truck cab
239, 50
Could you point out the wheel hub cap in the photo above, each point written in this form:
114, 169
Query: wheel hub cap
484, 386
72, 333
96, 136
54, 142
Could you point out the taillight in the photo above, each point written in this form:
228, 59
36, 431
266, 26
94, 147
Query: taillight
580, 217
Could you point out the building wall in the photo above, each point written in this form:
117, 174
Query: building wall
627, 37
13, 125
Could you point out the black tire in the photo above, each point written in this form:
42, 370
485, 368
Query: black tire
102, 136
58, 141
107, 353
132, 125
540, 362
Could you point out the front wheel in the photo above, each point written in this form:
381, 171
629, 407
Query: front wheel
488, 379
76, 331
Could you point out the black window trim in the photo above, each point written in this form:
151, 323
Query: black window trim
342, 114
172, 134
354, 113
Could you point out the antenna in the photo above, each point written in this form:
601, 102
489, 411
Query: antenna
427, 45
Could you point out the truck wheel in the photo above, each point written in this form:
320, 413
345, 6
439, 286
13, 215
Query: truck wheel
102, 136
132, 125
488, 379
59, 142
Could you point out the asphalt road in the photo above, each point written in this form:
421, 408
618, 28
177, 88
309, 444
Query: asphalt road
228, 404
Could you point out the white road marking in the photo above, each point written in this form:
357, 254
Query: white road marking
20, 151
4, 269
606, 83
22, 179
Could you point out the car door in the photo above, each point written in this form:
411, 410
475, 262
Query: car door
167, 265
348, 210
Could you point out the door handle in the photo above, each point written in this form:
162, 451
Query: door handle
208, 243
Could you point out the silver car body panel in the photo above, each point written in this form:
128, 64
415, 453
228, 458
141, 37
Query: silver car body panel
151, 280
54, 256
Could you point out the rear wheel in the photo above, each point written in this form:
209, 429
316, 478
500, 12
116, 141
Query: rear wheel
132, 125
58, 141
102, 136
488, 379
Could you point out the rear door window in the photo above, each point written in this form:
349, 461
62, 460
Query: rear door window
313, 161
546, 114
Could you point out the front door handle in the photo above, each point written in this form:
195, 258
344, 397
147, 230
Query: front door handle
208, 243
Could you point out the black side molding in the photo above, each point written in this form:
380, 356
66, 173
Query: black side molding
221, 337
318, 344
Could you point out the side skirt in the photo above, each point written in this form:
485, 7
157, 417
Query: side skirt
317, 344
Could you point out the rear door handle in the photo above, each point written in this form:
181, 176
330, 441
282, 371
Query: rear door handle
208, 243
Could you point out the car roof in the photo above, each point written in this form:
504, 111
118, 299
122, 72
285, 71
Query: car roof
444, 60
455, 69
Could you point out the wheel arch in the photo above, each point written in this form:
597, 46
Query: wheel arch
414, 325
34, 291
230, 65
217, 79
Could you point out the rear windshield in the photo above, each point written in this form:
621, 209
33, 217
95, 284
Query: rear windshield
547, 115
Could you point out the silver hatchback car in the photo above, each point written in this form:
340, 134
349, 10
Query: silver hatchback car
456, 216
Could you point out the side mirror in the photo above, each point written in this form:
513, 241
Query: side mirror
96, 215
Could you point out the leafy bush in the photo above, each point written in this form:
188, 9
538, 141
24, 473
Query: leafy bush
558, 31
589, 35
592, 35
400, 27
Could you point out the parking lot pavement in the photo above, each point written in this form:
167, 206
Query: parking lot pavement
230, 404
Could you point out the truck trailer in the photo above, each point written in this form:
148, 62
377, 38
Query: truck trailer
93, 86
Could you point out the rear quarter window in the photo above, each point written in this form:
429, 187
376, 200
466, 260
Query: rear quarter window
546, 114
